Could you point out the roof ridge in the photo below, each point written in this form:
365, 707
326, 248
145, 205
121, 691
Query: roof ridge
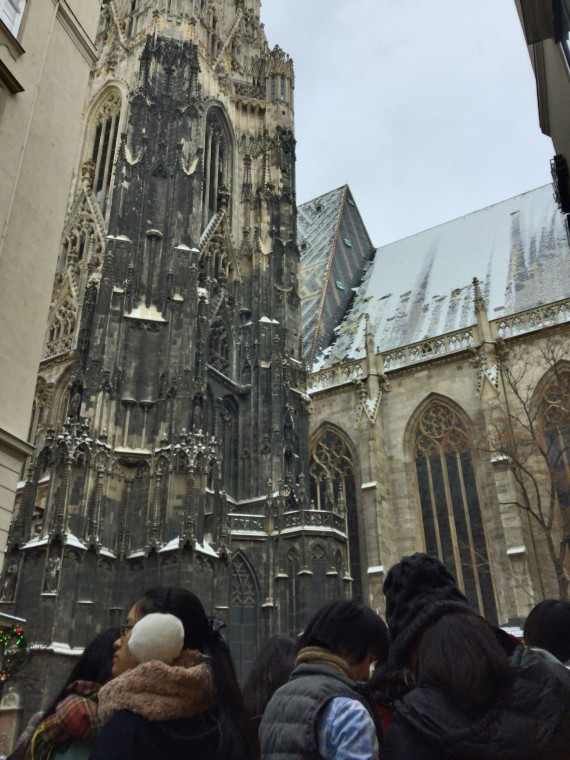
464, 216
324, 195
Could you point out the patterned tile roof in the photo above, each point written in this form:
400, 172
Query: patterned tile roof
335, 250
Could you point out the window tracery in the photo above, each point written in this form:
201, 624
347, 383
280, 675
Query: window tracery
451, 513
318, 554
331, 471
104, 147
219, 261
333, 488
61, 329
217, 164
243, 614
81, 242
219, 348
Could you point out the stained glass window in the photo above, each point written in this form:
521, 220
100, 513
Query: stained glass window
451, 512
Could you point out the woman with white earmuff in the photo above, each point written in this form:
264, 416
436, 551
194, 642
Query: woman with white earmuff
175, 692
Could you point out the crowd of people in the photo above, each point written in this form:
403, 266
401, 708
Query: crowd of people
436, 681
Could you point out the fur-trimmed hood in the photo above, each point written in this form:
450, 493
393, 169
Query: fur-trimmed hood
158, 692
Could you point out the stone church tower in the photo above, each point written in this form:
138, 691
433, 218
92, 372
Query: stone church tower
170, 418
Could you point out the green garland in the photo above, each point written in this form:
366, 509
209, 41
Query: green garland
13, 651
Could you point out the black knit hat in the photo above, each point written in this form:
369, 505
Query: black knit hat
419, 590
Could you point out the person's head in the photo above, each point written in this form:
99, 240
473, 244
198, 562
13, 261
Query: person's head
461, 655
200, 633
419, 590
350, 630
94, 664
270, 670
548, 627
183, 605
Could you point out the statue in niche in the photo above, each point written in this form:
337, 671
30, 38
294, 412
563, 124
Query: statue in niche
52, 574
9, 585
211, 478
75, 399
197, 414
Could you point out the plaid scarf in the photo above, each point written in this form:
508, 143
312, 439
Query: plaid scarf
75, 717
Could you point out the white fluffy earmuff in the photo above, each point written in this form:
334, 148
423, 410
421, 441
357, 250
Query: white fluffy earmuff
158, 636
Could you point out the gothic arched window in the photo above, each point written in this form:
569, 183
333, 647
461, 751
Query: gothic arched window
451, 513
556, 422
319, 577
333, 488
61, 329
104, 145
81, 239
243, 615
219, 349
217, 164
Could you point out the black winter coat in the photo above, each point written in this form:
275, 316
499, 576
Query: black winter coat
530, 722
127, 736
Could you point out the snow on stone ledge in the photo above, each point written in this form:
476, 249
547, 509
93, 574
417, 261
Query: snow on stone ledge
148, 313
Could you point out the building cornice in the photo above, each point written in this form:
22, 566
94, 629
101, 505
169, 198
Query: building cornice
14, 446
444, 349
76, 32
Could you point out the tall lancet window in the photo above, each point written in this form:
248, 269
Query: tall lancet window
333, 488
217, 164
451, 513
104, 146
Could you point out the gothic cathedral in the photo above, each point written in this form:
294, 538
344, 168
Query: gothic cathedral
170, 419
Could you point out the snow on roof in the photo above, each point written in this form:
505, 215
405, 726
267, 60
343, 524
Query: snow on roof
421, 286
72, 540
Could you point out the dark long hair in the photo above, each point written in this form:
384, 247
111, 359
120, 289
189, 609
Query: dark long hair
94, 664
461, 656
238, 739
348, 626
270, 670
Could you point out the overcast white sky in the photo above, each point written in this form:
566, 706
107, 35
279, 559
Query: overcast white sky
426, 108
